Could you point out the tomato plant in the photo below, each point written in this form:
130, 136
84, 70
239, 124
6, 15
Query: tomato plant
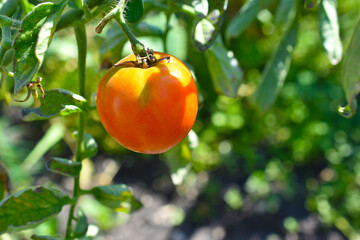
148, 102
148, 109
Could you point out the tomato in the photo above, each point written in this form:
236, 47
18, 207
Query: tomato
148, 110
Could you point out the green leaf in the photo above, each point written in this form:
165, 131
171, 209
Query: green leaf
276, 70
75, 3
30, 207
207, 29
311, 3
243, 18
233, 198
134, 10
5, 184
34, 37
178, 160
329, 31
117, 197
64, 167
204, 34
57, 102
285, 13
90, 146
351, 74
225, 71
81, 224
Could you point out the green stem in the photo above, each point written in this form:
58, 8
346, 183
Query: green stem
167, 28
80, 34
9, 7
137, 47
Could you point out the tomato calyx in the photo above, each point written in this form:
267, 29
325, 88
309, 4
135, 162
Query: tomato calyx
145, 62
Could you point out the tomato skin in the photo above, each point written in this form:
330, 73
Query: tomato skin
148, 110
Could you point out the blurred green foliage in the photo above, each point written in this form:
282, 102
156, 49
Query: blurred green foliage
301, 148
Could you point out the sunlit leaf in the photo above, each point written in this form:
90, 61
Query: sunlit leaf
90, 146
57, 102
117, 197
34, 37
64, 167
329, 31
243, 19
276, 70
351, 74
207, 28
204, 33
201, 6
134, 10
225, 71
30, 207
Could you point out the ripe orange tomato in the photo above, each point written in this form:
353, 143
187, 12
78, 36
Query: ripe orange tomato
148, 110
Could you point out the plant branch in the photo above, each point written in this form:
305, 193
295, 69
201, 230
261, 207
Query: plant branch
80, 34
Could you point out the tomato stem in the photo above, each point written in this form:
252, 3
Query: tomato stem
80, 34
118, 14
137, 47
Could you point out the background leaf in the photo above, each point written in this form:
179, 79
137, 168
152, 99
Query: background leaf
134, 10
351, 74
285, 13
276, 70
225, 71
329, 31
57, 102
207, 29
64, 167
75, 4
30, 207
201, 6
242, 19
34, 37
117, 197
90, 146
